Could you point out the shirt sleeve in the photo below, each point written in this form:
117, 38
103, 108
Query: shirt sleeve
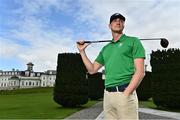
100, 58
138, 49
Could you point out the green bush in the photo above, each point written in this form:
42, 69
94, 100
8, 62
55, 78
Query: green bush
26, 91
71, 88
95, 86
144, 91
166, 78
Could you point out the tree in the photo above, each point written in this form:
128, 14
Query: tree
144, 91
95, 86
166, 78
71, 88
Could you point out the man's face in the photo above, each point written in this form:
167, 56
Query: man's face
117, 25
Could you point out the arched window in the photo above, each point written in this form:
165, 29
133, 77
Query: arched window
22, 83
29, 82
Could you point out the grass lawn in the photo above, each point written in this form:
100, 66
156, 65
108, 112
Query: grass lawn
34, 104
147, 104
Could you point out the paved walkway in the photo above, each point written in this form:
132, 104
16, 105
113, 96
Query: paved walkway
96, 112
145, 113
89, 113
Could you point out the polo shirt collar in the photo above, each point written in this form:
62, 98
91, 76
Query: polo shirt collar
120, 39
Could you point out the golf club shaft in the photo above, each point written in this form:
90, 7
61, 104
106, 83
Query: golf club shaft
111, 40
163, 41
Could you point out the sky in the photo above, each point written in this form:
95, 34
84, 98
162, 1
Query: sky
38, 30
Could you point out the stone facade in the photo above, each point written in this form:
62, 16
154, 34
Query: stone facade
26, 79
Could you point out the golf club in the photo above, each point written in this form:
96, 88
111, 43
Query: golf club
163, 41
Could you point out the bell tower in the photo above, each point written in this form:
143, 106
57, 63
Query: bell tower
30, 66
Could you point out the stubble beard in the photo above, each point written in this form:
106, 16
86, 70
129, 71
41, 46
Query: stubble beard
117, 31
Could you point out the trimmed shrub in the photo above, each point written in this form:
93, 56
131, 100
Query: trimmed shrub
166, 78
95, 86
144, 91
71, 88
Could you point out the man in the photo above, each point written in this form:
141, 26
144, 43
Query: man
123, 59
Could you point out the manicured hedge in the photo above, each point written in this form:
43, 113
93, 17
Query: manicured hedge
144, 91
166, 78
71, 88
95, 86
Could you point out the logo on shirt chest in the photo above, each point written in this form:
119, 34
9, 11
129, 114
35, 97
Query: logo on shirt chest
120, 44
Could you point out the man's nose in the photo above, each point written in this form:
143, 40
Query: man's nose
118, 21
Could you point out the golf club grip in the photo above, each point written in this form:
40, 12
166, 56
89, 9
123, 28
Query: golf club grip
82, 43
94, 41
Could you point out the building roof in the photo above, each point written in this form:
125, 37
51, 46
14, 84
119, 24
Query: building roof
30, 63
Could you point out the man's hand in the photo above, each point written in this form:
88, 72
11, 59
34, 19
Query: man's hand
82, 46
91, 67
126, 93
137, 77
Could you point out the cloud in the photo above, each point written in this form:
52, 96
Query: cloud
44, 42
8, 48
145, 19
90, 19
30, 7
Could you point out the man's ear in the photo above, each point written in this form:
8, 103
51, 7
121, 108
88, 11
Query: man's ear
109, 26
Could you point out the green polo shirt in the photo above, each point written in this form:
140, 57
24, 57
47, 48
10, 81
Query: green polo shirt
118, 59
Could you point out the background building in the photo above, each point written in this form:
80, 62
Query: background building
16, 79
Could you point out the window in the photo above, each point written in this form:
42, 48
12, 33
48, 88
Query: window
38, 74
22, 82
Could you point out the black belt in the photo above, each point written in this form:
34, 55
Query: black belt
120, 88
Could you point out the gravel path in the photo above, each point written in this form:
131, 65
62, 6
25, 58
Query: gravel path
89, 113
94, 111
145, 116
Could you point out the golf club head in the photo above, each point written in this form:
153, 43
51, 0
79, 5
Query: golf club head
164, 42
